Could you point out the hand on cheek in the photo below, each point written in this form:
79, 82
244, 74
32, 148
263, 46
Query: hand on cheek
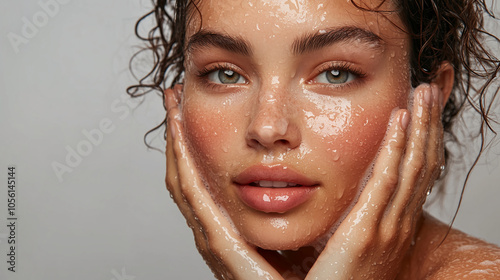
381, 226
227, 255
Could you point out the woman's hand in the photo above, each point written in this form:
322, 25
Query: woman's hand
373, 240
226, 253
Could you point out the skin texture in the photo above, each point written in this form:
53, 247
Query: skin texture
282, 116
282, 113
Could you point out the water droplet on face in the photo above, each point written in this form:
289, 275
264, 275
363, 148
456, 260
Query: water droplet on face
335, 155
331, 117
279, 223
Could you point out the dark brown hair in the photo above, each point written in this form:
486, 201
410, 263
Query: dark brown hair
440, 30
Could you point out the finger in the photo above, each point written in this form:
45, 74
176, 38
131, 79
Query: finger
173, 186
172, 178
172, 175
434, 150
414, 162
190, 183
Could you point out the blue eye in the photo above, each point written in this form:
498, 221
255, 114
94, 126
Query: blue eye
335, 76
225, 76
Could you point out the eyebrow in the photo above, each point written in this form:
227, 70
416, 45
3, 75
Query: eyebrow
204, 39
318, 40
307, 43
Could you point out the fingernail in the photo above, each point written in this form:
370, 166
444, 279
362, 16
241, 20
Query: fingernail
405, 120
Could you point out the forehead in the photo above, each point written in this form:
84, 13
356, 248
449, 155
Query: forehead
293, 17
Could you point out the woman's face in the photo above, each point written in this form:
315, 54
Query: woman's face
285, 104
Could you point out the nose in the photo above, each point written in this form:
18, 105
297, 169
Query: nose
272, 125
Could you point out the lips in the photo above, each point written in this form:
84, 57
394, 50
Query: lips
275, 189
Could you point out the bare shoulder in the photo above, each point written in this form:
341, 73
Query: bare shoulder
458, 256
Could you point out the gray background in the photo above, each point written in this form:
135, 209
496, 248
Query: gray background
111, 217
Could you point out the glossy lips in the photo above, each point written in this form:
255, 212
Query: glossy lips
275, 189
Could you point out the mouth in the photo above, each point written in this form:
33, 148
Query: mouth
274, 189
272, 184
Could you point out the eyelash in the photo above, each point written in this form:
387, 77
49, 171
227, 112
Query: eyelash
203, 74
343, 66
207, 70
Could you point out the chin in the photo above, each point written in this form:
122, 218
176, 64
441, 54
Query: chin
276, 233
278, 243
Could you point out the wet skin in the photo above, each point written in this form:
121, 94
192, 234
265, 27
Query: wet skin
284, 111
258, 103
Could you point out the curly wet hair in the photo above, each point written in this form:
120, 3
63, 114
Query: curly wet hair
440, 30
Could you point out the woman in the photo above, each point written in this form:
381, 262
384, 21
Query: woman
304, 136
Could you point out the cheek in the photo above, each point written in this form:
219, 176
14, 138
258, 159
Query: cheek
348, 154
204, 129
366, 133
210, 134
371, 116
328, 117
343, 130
350, 131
